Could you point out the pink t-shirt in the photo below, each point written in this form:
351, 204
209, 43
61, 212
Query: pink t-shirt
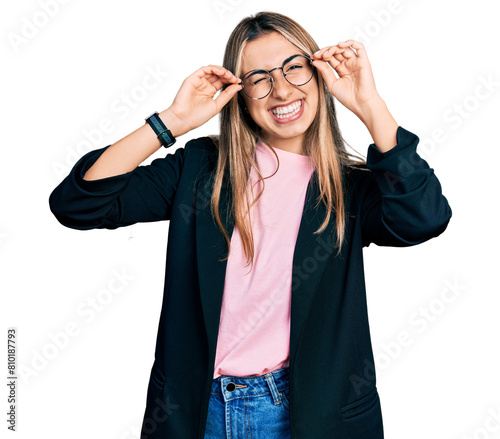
254, 328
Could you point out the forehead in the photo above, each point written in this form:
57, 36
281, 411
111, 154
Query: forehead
267, 52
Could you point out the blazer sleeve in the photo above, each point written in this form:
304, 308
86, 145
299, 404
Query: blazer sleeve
143, 195
403, 203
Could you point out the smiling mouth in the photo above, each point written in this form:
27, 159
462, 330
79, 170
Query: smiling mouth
285, 112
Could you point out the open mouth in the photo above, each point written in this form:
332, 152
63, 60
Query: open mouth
288, 113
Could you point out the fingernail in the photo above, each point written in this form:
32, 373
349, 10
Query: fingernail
315, 53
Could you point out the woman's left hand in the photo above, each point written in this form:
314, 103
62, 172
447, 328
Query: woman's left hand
355, 87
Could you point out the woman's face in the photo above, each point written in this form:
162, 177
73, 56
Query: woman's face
288, 133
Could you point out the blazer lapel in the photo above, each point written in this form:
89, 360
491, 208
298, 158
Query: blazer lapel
211, 247
309, 260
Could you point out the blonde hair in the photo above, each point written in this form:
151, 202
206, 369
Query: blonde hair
239, 135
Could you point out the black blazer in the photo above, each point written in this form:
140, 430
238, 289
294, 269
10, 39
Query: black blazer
395, 200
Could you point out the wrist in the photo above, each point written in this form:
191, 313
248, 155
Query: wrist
380, 123
175, 124
370, 108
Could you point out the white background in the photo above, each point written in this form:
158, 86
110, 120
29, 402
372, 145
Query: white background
67, 72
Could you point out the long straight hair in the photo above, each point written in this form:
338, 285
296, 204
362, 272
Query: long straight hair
239, 134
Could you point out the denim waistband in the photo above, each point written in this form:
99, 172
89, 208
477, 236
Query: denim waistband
231, 387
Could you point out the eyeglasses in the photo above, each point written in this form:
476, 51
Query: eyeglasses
296, 69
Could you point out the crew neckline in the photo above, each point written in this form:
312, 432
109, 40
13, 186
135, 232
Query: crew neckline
282, 154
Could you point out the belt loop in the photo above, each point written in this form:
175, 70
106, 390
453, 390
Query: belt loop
272, 386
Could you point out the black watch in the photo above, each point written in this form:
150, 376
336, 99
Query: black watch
162, 132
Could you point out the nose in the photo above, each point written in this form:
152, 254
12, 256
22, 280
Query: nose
281, 87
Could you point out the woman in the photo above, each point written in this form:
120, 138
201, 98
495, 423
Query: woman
264, 331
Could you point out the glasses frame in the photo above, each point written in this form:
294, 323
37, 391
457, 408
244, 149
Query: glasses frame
282, 73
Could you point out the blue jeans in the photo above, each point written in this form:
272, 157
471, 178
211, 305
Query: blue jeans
249, 407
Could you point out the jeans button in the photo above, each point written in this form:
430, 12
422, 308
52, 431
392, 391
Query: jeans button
230, 387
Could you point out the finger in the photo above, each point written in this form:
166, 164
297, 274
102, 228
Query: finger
212, 78
326, 54
218, 82
328, 50
326, 71
225, 95
338, 62
319, 53
349, 53
360, 48
334, 55
339, 56
217, 76
219, 72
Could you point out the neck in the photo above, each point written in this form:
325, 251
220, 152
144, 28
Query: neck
294, 145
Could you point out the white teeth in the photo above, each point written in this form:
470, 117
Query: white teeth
286, 112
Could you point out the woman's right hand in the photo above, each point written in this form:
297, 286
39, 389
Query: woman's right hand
194, 104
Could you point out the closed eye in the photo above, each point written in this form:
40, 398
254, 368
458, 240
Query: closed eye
260, 80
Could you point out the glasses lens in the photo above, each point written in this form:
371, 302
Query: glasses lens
298, 71
257, 84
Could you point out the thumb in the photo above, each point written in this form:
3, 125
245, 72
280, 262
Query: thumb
225, 96
326, 72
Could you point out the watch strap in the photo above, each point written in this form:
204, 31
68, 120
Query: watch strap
162, 132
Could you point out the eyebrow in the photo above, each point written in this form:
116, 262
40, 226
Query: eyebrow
284, 62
